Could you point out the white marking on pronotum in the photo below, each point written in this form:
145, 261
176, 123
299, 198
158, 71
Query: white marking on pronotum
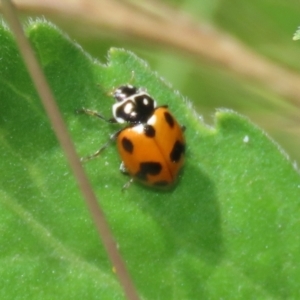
138, 128
128, 108
152, 120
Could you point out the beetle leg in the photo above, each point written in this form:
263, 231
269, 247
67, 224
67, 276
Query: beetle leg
94, 114
123, 168
98, 152
127, 184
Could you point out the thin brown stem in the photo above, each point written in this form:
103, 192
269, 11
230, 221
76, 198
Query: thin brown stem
62, 134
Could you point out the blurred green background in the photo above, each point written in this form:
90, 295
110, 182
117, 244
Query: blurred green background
265, 27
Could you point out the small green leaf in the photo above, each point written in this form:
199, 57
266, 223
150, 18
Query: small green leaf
228, 229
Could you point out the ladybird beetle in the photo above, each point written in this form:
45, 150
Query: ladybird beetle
152, 144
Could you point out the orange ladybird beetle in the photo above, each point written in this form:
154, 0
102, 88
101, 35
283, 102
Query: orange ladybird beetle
152, 144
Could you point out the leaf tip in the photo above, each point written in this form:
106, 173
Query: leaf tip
297, 34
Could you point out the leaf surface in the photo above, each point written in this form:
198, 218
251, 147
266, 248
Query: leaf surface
228, 229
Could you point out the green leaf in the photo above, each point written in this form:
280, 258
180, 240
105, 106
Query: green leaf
228, 229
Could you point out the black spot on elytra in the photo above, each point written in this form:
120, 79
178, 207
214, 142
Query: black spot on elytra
177, 151
148, 168
149, 130
127, 145
169, 119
